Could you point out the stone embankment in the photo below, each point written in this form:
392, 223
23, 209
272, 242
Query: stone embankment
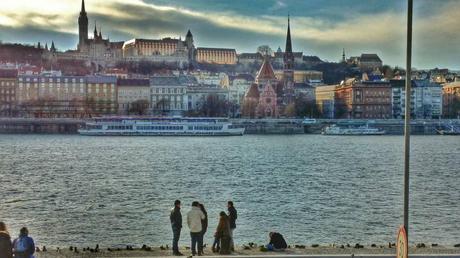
253, 126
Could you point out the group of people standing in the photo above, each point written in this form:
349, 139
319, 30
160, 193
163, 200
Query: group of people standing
197, 221
21, 247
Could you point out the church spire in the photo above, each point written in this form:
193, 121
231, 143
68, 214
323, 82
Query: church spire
82, 26
288, 37
53, 48
288, 55
95, 30
83, 10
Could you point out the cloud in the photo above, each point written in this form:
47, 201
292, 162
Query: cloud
382, 32
278, 6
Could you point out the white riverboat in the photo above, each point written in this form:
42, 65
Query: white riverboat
160, 126
449, 129
361, 130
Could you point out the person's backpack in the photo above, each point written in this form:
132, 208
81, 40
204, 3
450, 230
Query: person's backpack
21, 245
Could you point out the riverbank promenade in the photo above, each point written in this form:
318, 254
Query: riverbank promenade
244, 252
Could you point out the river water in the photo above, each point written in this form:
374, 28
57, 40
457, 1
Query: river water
75, 190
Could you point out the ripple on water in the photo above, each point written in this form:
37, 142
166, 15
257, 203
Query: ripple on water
73, 190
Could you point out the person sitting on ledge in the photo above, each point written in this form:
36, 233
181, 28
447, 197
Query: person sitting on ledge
23, 246
277, 242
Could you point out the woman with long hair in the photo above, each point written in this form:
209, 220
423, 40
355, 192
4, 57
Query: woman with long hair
6, 248
223, 233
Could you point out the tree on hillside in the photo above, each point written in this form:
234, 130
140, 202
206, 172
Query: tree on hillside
334, 73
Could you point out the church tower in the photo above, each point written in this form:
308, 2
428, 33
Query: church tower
82, 26
190, 46
288, 73
288, 55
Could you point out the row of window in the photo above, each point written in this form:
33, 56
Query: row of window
205, 128
7, 98
120, 127
7, 83
74, 80
169, 90
162, 128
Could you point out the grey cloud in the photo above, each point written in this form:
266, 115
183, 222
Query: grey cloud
381, 33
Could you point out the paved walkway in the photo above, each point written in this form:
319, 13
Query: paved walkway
321, 256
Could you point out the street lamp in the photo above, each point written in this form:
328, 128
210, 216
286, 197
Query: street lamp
407, 115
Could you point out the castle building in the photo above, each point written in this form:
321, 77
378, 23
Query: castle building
96, 48
82, 26
167, 50
222, 56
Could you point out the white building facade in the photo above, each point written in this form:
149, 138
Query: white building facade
426, 99
168, 94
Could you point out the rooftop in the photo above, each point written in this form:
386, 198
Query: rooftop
266, 71
8, 73
370, 58
101, 79
215, 49
171, 80
133, 82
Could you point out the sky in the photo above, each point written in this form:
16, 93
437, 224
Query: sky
319, 27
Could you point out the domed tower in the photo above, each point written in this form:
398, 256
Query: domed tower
82, 26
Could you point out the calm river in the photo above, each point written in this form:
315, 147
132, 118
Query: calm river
75, 190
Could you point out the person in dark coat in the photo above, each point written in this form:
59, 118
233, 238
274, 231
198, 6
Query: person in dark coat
23, 246
204, 226
176, 224
277, 242
6, 248
232, 217
223, 233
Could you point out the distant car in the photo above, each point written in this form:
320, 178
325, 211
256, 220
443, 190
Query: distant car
309, 121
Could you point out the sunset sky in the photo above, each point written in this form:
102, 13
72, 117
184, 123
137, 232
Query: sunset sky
319, 27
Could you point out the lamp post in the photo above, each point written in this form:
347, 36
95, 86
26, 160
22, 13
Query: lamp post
407, 115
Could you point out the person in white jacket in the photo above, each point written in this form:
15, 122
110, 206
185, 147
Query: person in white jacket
194, 217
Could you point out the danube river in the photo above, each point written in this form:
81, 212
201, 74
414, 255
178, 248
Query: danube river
75, 190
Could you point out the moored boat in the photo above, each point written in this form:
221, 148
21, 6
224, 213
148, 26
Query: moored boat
361, 130
160, 126
449, 130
